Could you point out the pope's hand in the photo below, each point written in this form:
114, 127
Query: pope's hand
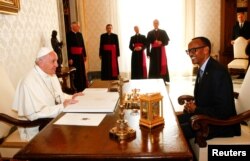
69, 101
77, 94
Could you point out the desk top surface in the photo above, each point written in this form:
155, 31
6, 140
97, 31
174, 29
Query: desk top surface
86, 142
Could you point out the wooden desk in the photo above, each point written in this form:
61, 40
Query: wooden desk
58, 142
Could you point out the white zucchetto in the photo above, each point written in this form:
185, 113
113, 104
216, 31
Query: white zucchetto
43, 51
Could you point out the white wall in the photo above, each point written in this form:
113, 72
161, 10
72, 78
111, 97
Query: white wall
22, 35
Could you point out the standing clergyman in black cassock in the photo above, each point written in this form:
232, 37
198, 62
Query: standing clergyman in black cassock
108, 53
137, 44
157, 39
77, 56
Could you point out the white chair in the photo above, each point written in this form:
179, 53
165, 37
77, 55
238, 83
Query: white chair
240, 61
201, 123
10, 141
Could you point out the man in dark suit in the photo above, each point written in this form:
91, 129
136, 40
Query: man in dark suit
213, 92
241, 28
137, 45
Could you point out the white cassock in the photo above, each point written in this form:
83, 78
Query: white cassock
35, 98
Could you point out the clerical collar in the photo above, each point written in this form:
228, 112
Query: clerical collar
45, 77
41, 72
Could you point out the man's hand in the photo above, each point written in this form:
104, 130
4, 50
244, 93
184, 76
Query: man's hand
190, 107
70, 62
158, 42
77, 94
69, 101
72, 100
138, 48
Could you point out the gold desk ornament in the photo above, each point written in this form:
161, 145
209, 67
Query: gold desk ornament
132, 100
121, 131
151, 110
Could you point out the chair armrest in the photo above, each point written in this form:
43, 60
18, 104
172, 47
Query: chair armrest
184, 98
24, 123
200, 123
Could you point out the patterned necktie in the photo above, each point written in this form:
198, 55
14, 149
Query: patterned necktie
200, 75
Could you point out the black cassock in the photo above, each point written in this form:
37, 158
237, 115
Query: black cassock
158, 67
138, 60
109, 52
77, 52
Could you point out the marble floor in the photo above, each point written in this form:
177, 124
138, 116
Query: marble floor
185, 85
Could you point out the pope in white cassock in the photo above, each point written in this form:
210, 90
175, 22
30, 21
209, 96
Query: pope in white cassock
39, 93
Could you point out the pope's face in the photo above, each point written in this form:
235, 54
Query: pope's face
49, 63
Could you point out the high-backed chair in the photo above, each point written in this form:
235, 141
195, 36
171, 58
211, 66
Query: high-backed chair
240, 62
201, 123
10, 141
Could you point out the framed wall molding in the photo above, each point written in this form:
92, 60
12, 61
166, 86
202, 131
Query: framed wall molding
9, 6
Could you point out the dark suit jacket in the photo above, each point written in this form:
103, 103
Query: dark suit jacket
244, 31
214, 97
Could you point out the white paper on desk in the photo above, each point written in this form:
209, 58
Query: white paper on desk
94, 100
80, 119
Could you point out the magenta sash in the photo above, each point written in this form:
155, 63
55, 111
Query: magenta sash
76, 50
112, 48
144, 66
163, 58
